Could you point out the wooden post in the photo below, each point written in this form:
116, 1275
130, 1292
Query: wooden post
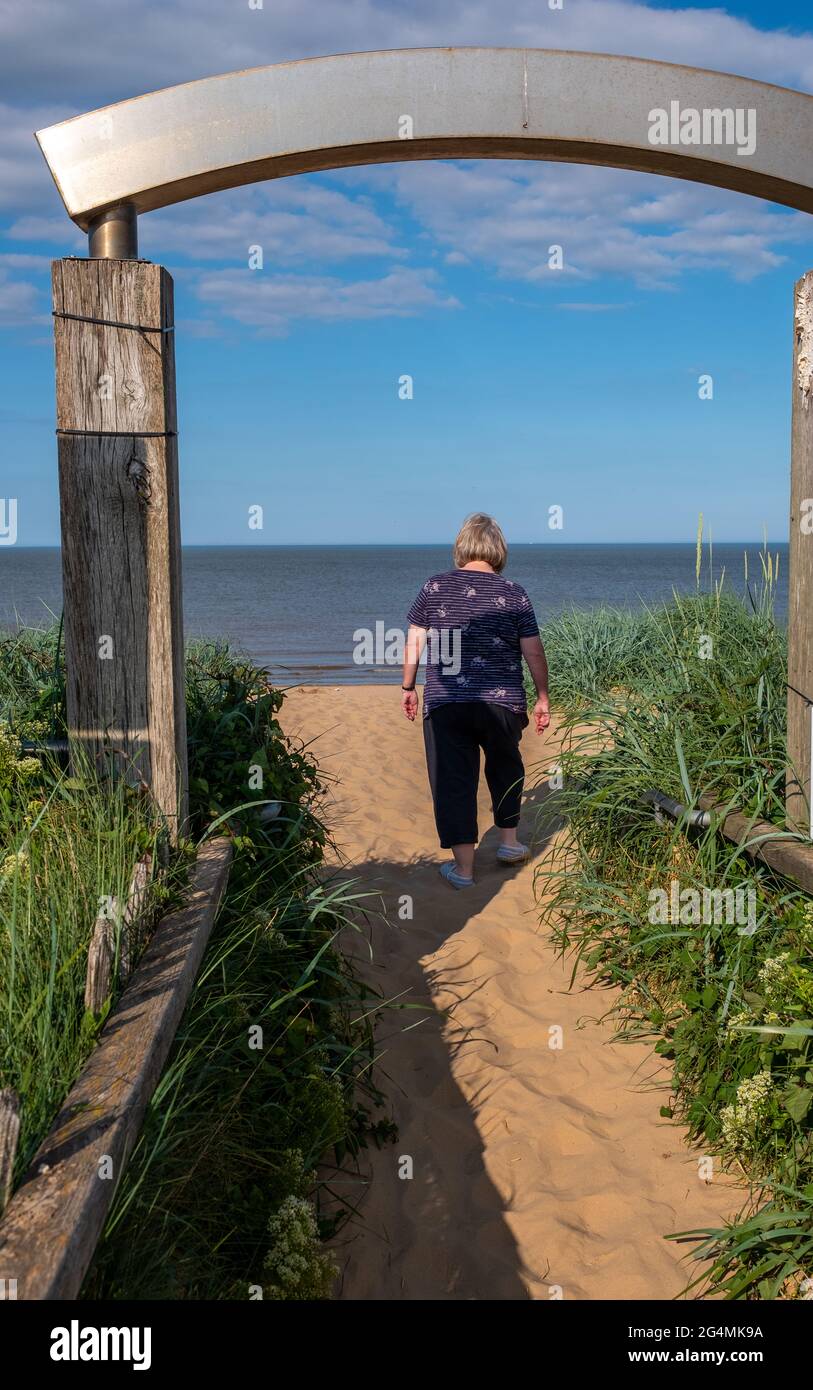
98, 980
800, 578
121, 555
9, 1134
132, 923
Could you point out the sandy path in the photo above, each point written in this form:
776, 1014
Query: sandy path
534, 1168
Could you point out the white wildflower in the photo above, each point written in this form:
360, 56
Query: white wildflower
749, 1111
775, 981
298, 1267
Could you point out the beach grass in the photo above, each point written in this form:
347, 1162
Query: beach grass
271, 1067
270, 1075
68, 846
690, 699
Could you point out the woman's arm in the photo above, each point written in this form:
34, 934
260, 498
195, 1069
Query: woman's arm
534, 653
415, 643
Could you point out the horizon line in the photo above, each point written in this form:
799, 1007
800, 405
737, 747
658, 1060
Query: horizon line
414, 545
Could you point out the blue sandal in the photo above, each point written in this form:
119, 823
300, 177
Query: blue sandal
512, 854
449, 872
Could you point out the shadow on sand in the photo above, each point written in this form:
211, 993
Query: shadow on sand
442, 1232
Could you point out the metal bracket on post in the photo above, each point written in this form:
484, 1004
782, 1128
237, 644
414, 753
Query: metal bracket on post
113, 235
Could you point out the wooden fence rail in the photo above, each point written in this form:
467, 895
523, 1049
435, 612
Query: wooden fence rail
53, 1222
782, 850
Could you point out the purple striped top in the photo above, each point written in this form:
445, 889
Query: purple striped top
474, 620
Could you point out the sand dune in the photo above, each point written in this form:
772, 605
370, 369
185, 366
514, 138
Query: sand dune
537, 1171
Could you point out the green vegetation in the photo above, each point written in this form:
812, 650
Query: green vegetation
67, 845
226, 1194
270, 1070
218, 1197
690, 699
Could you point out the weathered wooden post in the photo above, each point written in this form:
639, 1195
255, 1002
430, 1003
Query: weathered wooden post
800, 578
118, 483
9, 1136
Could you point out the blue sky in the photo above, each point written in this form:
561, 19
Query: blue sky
578, 390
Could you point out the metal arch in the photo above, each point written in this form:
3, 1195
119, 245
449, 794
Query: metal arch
325, 113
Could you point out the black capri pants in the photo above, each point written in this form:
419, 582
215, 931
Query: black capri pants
454, 733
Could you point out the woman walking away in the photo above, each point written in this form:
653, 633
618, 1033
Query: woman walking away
478, 627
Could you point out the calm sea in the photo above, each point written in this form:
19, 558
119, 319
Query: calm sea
295, 609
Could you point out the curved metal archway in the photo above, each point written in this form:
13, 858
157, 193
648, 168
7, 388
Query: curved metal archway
433, 103
327, 113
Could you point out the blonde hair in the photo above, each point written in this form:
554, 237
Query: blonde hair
480, 538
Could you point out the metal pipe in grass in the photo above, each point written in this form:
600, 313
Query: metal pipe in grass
664, 804
31, 748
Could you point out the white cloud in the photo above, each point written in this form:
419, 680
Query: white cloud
585, 307
55, 231
23, 261
506, 215
59, 59
25, 181
269, 303
91, 52
19, 302
293, 220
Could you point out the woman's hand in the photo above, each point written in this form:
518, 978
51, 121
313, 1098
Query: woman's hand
542, 714
534, 653
409, 704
